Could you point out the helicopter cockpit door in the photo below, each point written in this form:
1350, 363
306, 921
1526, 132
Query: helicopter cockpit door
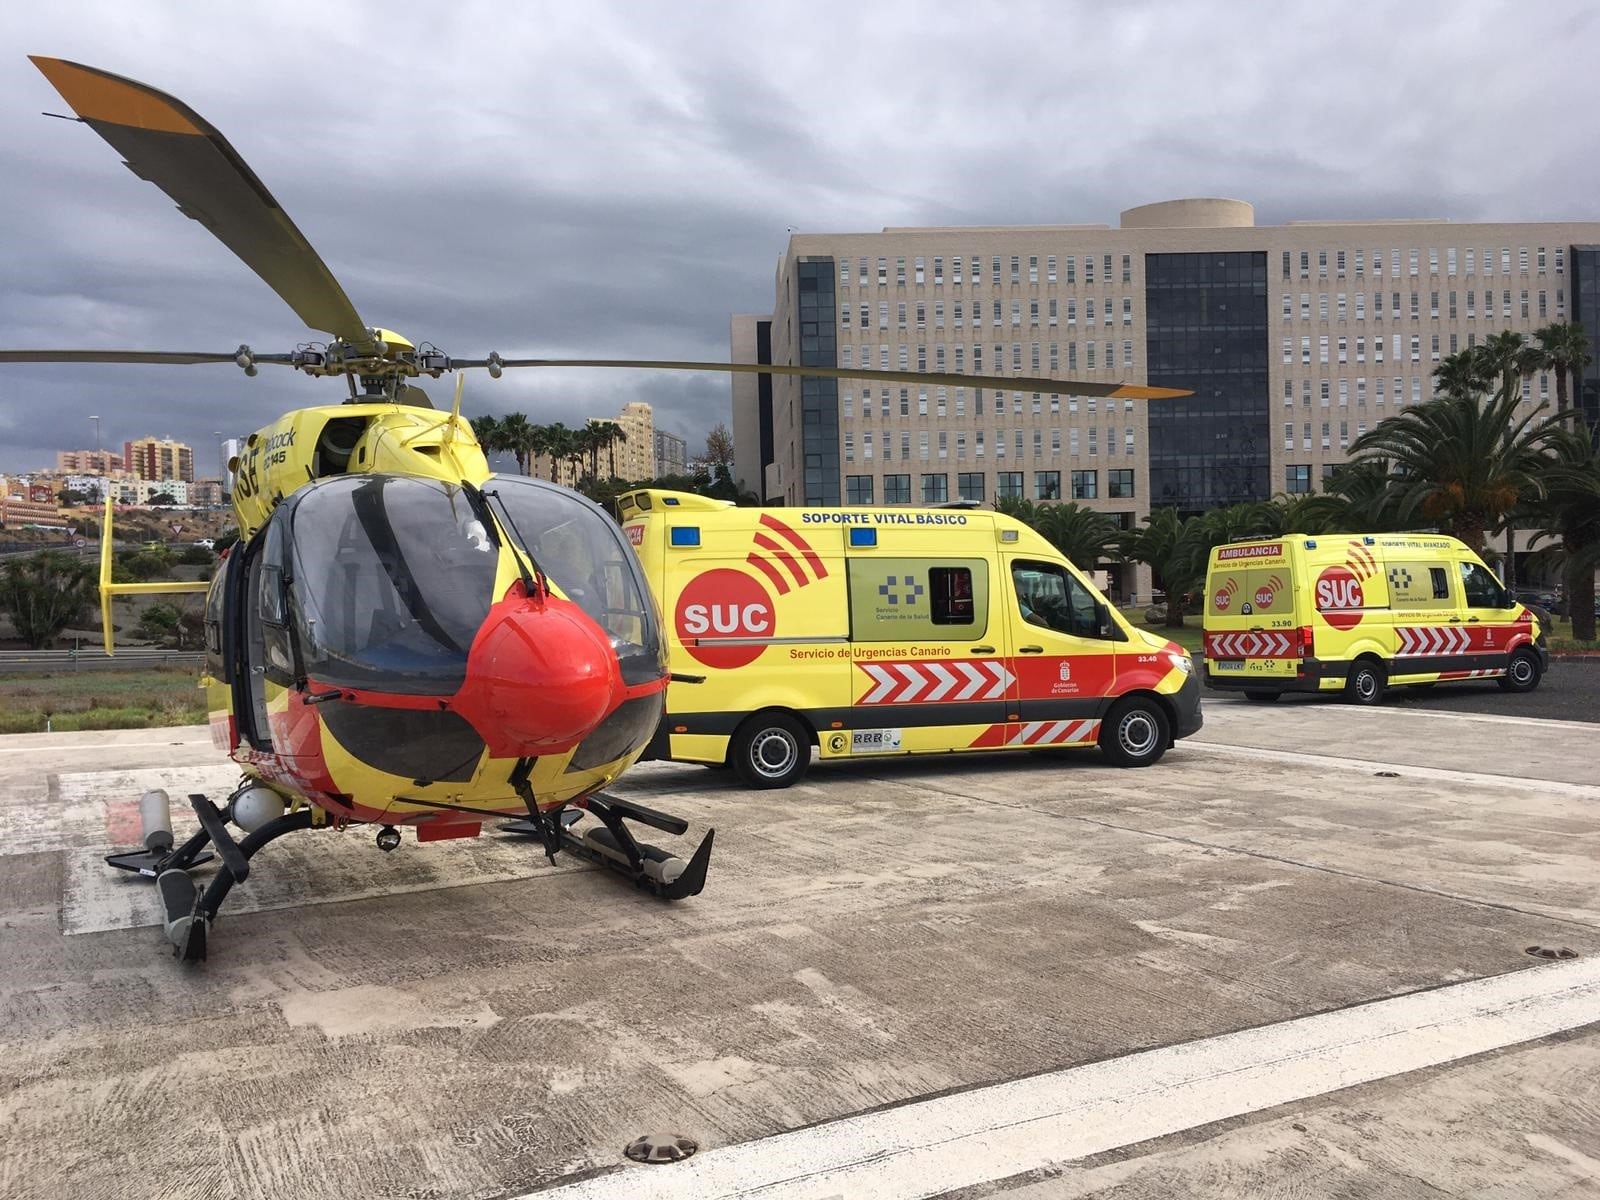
265, 657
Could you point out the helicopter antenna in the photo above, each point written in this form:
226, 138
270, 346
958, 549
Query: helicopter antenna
455, 412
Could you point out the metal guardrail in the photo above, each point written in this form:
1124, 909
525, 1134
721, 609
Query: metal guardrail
136, 656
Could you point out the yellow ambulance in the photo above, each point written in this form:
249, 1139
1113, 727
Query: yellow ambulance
1358, 613
882, 631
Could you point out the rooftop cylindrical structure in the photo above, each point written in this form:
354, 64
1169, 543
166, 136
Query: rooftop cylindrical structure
1191, 214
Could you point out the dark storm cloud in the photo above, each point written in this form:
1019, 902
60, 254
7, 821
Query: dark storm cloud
615, 180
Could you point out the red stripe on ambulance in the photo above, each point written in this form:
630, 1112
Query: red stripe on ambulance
935, 682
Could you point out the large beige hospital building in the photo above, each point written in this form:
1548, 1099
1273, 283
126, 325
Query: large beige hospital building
1295, 340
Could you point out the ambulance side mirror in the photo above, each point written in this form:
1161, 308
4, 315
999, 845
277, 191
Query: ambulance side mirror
1107, 629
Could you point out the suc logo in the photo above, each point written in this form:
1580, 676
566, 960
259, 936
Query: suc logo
728, 607
1339, 598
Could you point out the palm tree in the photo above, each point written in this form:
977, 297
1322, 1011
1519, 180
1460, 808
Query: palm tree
615, 435
594, 437
1087, 538
1570, 511
516, 435
1457, 462
1507, 357
487, 430
1357, 498
1461, 374
1171, 548
1563, 349
558, 443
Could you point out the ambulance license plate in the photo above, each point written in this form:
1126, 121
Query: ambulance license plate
874, 741
1229, 664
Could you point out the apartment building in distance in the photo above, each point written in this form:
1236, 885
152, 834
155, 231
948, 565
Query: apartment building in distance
89, 462
672, 454
1295, 340
635, 452
158, 458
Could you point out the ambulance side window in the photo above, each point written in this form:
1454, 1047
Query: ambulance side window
1482, 589
1441, 583
1049, 597
950, 595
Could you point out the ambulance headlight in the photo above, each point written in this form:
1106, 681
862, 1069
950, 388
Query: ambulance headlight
1181, 662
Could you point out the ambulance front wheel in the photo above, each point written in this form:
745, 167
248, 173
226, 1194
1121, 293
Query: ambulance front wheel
1135, 732
1365, 682
771, 750
1522, 673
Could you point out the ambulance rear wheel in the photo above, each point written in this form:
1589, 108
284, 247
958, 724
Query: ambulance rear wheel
1135, 732
1522, 673
1365, 683
771, 750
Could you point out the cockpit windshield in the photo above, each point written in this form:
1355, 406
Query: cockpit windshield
584, 553
392, 579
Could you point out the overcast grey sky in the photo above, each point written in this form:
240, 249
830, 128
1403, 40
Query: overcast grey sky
607, 179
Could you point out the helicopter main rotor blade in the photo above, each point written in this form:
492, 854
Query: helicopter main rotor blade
164, 357
167, 143
1014, 383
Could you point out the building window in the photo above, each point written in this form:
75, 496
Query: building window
1120, 483
918, 267
858, 489
1086, 484
897, 489
1008, 485
1297, 479
1047, 485
935, 489
970, 485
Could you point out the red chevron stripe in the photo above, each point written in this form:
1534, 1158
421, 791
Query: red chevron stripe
798, 542
770, 571
783, 556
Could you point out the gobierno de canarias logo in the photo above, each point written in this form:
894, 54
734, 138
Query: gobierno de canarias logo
1339, 594
725, 618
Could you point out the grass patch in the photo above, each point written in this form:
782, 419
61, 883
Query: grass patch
153, 697
1561, 637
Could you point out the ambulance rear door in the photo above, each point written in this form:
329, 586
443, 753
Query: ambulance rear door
1249, 616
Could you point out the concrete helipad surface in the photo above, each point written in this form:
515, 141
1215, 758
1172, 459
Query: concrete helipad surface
1029, 976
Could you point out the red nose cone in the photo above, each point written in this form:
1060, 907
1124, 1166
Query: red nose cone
539, 678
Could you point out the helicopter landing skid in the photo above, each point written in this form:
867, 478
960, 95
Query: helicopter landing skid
188, 911
612, 845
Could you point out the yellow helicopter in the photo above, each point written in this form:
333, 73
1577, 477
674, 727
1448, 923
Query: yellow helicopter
401, 636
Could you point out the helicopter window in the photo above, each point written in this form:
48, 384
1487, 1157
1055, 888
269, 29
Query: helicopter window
218, 658
392, 578
582, 551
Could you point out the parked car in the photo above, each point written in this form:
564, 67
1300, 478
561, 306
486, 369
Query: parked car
1543, 599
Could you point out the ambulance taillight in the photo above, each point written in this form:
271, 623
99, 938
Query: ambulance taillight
1307, 644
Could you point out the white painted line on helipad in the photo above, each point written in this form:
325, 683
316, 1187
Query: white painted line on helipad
931, 1147
151, 744
1434, 714
1582, 791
